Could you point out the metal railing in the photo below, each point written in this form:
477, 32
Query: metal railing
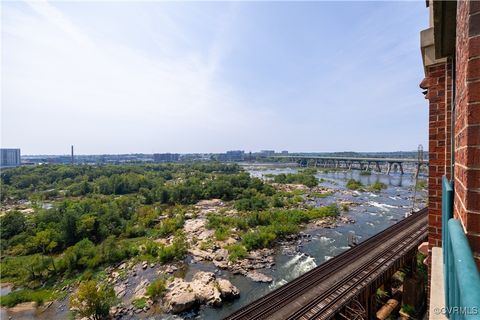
462, 279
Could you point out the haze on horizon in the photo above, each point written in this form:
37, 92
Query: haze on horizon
145, 77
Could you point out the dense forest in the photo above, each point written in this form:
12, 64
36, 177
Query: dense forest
63, 223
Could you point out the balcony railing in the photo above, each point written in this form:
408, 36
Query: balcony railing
462, 279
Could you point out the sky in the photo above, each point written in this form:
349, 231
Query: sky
128, 77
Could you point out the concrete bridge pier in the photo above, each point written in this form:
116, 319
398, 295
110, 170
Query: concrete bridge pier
401, 167
390, 164
377, 166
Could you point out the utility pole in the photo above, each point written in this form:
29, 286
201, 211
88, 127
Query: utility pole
72, 159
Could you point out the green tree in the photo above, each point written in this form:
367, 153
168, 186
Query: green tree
12, 223
45, 241
93, 300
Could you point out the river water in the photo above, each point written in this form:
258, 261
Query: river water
374, 213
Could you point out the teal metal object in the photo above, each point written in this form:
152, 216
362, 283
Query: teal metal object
447, 210
463, 279
447, 214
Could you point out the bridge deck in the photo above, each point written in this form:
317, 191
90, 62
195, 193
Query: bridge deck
323, 291
353, 159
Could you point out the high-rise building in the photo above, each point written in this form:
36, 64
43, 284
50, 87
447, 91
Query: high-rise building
9, 157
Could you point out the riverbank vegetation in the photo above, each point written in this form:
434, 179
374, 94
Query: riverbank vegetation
260, 229
353, 184
377, 186
305, 177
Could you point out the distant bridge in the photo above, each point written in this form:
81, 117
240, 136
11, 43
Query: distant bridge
345, 286
355, 162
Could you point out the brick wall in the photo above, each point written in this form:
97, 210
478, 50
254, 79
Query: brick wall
438, 83
467, 122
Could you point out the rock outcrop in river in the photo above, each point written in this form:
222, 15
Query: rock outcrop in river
204, 288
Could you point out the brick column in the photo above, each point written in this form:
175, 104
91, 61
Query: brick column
467, 122
438, 85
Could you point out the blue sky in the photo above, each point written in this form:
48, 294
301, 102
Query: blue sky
121, 77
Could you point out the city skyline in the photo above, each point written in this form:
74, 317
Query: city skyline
209, 77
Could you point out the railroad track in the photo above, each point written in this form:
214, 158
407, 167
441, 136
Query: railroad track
285, 295
315, 309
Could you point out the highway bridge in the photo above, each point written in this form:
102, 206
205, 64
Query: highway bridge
345, 286
355, 162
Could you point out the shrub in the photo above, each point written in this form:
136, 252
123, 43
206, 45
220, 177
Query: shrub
421, 184
322, 212
377, 186
306, 178
156, 288
236, 252
175, 251
260, 238
139, 303
353, 184
93, 300
256, 202
26, 295
408, 309
222, 233
169, 225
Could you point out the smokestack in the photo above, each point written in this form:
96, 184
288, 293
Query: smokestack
72, 156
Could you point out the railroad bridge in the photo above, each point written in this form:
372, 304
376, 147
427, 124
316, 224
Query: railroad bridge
345, 286
355, 162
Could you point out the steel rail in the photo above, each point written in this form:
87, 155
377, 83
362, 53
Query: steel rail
306, 312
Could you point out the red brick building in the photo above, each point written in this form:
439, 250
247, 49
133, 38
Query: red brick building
451, 58
451, 55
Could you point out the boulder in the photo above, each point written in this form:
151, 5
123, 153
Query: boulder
227, 289
140, 289
120, 290
182, 302
204, 288
258, 277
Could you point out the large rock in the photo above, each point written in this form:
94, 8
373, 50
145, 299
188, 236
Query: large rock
204, 288
120, 290
194, 225
227, 289
258, 277
182, 302
200, 255
141, 289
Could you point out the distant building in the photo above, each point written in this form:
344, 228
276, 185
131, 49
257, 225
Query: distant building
166, 157
235, 155
9, 157
284, 152
267, 153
